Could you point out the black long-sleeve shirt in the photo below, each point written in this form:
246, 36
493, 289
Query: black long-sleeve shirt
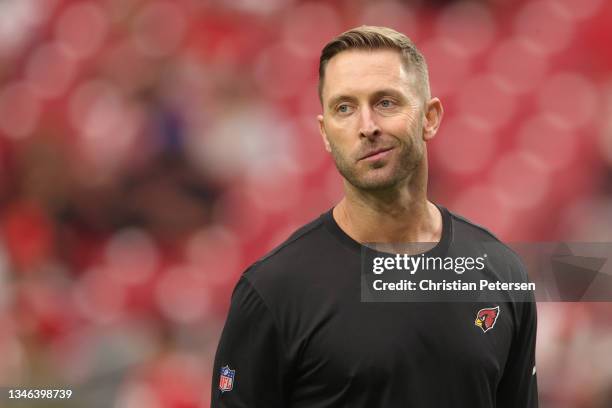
298, 335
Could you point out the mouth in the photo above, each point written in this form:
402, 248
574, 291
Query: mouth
376, 154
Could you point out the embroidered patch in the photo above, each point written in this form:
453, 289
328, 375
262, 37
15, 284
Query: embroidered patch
486, 318
226, 380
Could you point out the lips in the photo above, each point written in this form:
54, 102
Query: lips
377, 152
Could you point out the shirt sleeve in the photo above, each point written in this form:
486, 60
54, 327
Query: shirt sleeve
250, 368
518, 387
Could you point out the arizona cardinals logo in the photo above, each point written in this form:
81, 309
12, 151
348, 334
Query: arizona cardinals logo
486, 318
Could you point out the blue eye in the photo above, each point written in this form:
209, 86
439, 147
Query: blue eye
386, 103
343, 108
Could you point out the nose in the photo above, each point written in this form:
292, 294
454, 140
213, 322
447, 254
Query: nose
368, 128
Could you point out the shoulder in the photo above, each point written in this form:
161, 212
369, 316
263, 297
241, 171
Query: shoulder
289, 259
468, 233
302, 238
503, 263
464, 228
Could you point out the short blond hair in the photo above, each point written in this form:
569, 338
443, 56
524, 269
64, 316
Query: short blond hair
376, 38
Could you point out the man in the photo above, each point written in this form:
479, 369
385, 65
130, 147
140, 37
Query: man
298, 333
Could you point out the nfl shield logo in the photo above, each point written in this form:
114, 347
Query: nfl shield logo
226, 381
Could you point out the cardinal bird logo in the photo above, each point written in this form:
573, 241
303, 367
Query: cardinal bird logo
486, 318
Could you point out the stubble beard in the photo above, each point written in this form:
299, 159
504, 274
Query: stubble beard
380, 175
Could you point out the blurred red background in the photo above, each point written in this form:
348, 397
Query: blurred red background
151, 150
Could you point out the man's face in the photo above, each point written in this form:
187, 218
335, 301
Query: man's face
372, 120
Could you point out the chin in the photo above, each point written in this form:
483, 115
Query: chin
382, 176
376, 182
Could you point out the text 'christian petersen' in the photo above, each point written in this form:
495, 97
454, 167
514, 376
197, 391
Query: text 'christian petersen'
455, 285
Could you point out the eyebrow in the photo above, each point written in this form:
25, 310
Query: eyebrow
339, 98
382, 92
389, 91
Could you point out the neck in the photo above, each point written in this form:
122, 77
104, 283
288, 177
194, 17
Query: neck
398, 215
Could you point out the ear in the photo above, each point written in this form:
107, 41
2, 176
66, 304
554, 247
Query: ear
323, 134
433, 118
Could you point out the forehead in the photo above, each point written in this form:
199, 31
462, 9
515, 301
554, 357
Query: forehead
356, 72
